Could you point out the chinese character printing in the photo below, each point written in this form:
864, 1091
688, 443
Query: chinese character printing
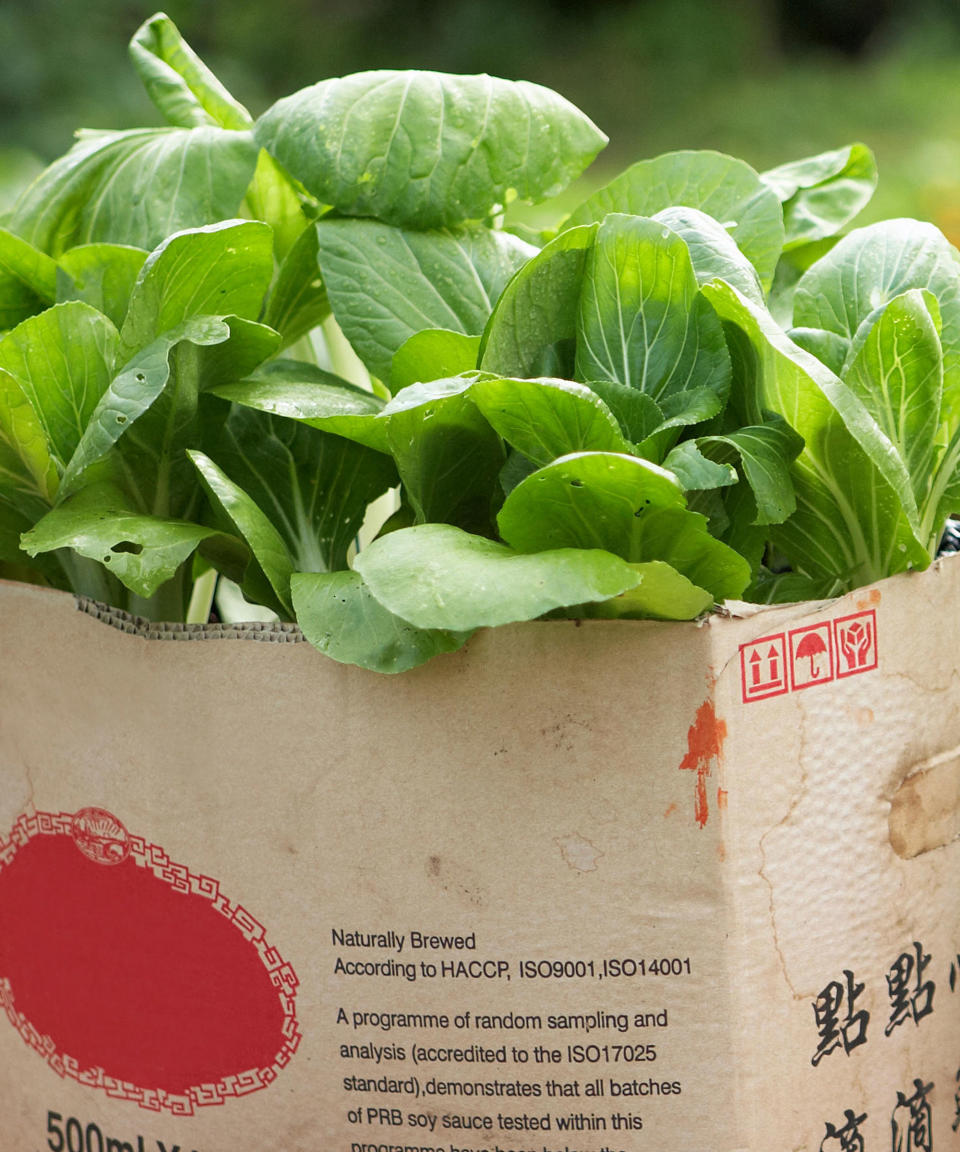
910, 995
837, 1023
911, 1120
847, 1138
956, 1105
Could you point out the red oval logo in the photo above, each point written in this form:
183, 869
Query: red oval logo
100, 836
130, 973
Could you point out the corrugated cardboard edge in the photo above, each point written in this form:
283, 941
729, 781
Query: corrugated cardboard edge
276, 632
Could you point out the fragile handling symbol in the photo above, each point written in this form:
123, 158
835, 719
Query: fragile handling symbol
857, 642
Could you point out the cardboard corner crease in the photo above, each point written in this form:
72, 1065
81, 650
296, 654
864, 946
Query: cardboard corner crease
588, 886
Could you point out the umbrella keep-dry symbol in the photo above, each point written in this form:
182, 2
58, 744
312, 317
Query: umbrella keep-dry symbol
811, 656
810, 648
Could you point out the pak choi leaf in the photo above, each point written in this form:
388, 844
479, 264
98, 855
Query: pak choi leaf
427, 149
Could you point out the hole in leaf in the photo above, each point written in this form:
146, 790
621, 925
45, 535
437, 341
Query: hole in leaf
576, 483
121, 419
127, 546
106, 559
141, 377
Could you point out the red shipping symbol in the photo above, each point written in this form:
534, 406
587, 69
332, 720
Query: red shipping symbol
856, 638
763, 667
811, 656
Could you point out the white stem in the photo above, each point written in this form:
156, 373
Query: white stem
201, 598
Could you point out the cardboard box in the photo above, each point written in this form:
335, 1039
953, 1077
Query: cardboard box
601, 886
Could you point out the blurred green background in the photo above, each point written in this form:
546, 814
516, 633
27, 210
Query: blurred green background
766, 80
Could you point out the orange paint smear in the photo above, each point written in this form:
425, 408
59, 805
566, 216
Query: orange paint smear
721, 798
704, 744
670, 811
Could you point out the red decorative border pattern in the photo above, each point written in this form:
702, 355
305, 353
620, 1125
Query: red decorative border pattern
282, 976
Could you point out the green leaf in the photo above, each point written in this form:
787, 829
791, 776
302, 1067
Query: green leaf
623, 505
726, 189
151, 404
532, 330
228, 362
313, 487
765, 452
425, 149
587, 500
680, 538
516, 467
638, 414
714, 254
436, 576
846, 289
27, 470
318, 398
434, 354
944, 498
821, 194
143, 552
662, 594
132, 391
218, 270
13, 523
448, 456
790, 588
896, 370
735, 523
791, 267
784, 380
679, 410
256, 528
856, 513
869, 268
338, 615
641, 320
178, 82
298, 300
62, 361
692, 406
828, 347
545, 419
28, 280
277, 200
696, 472
385, 284
101, 275
135, 187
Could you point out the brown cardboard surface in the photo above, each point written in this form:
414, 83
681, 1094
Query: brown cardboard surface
686, 843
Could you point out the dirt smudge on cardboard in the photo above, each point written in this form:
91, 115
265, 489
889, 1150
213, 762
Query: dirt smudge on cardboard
870, 600
578, 852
